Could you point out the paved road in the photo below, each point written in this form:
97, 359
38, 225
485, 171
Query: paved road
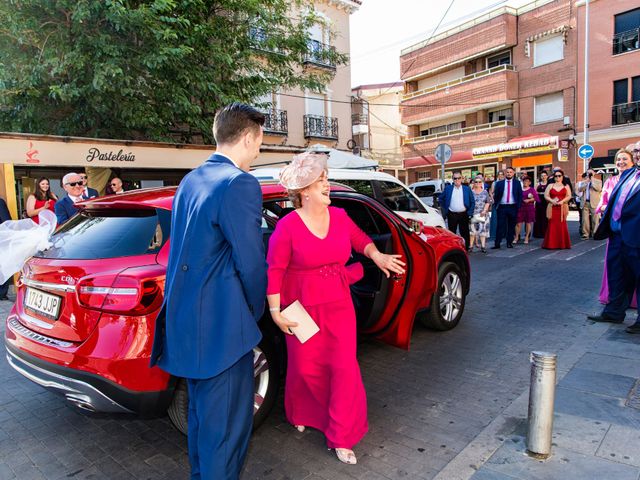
425, 405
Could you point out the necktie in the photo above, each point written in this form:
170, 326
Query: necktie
588, 191
508, 200
624, 193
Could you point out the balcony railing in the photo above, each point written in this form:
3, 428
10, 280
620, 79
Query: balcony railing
458, 81
259, 40
449, 133
318, 126
276, 122
626, 41
359, 119
318, 55
625, 113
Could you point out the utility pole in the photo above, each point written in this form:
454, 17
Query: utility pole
586, 82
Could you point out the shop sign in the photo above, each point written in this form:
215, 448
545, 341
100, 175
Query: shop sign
109, 156
563, 154
517, 148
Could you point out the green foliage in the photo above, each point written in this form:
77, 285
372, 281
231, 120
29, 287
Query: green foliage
149, 69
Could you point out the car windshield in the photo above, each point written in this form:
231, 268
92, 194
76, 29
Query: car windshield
110, 234
425, 190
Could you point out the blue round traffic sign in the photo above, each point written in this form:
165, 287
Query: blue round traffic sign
585, 151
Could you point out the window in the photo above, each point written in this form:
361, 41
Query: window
548, 108
503, 58
620, 91
396, 197
548, 50
317, 104
501, 115
442, 128
111, 234
635, 89
627, 21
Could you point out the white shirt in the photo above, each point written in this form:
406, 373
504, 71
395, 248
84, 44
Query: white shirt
507, 188
457, 200
228, 158
75, 199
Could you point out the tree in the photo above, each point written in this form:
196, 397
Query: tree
148, 69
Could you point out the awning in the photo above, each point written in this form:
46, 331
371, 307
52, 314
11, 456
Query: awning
430, 160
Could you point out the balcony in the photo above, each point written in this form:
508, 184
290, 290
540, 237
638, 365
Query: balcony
491, 32
626, 41
317, 126
359, 123
625, 113
260, 40
275, 122
478, 91
462, 139
318, 55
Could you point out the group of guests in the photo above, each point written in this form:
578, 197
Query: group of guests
509, 209
76, 188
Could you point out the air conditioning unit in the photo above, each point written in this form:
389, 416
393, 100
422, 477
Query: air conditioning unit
566, 121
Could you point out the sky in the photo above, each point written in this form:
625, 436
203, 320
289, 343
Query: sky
381, 28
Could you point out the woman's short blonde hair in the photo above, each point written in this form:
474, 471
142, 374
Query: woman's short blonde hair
623, 150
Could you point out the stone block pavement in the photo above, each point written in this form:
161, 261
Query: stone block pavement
454, 406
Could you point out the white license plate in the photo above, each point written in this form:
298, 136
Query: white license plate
43, 303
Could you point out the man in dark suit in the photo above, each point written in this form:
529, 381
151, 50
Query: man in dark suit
457, 204
621, 224
507, 196
88, 192
4, 217
64, 208
215, 294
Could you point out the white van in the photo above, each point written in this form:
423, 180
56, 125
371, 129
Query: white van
385, 188
426, 190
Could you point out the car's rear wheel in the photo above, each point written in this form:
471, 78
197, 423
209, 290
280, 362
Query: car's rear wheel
266, 374
447, 302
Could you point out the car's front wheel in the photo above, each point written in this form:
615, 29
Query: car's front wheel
266, 375
447, 302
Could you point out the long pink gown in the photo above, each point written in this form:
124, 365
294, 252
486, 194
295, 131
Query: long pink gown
324, 388
604, 200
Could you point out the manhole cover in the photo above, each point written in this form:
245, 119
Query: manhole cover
633, 400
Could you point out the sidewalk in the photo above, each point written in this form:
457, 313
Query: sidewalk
596, 429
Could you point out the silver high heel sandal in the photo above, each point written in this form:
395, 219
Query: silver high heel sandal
346, 456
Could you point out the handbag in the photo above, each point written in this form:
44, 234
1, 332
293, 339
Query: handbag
477, 218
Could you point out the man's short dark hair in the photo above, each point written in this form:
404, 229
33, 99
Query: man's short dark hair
234, 120
458, 172
510, 168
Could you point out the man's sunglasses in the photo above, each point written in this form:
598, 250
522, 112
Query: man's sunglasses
457, 178
74, 184
113, 185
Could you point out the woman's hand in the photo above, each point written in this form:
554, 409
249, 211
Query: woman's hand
282, 322
388, 263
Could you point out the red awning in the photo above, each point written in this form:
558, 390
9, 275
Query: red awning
429, 160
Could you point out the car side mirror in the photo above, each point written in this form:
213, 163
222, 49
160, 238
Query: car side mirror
415, 226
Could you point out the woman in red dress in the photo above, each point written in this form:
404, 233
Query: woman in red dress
307, 255
42, 199
558, 196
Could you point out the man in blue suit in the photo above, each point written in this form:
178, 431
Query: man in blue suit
64, 208
215, 294
457, 204
507, 196
88, 192
621, 225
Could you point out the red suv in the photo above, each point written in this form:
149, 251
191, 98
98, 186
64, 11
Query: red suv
84, 316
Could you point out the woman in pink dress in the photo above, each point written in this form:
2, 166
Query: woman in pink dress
42, 199
527, 210
623, 161
307, 255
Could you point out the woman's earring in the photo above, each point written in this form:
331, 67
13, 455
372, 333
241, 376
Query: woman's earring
306, 197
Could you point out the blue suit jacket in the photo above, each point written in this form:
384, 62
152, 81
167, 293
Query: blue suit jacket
217, 274
445, 199
92, 193
65, 209
629, 217
499, 191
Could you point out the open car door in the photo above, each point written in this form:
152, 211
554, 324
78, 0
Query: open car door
386, 307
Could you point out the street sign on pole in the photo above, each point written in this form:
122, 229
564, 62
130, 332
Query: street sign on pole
585, 152
443, 154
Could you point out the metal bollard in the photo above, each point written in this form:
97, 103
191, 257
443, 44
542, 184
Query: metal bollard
541, 398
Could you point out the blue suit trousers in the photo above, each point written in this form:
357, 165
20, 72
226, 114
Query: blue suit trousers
220, 421
623, 275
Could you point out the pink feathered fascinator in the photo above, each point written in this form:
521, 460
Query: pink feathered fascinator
304, 169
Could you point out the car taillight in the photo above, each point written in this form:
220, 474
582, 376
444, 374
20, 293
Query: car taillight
122, 293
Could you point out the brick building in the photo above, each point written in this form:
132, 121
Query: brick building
500, 89
614, 77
